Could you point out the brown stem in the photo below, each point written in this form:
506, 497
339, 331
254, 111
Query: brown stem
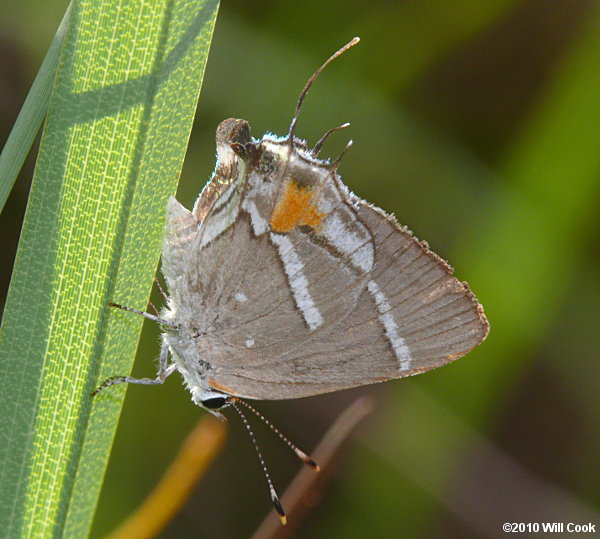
195, 456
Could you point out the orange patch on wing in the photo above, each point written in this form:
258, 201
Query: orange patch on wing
219, 387
295, 207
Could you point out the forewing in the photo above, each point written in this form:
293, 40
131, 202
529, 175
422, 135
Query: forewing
181, 229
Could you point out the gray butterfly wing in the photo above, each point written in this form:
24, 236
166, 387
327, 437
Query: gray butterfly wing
412, 316
241, 292
288, 286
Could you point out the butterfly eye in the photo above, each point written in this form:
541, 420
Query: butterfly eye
214, 403
239, 149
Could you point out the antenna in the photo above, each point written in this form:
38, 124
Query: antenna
301, 454
310, 81
274, 497
315, 151
336, 162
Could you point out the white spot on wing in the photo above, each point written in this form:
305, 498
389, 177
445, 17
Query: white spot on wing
389, 324
240, 297
249, 342
298, 283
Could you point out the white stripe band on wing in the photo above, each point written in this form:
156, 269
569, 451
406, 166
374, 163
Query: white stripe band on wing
349, 242
293, 268
389, 324
259, 224
222, 214
225, 197
217, 224
259, 190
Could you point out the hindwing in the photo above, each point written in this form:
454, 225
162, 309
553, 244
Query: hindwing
292, 286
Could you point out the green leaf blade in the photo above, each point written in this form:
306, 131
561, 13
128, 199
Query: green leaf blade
117, 128
31, 116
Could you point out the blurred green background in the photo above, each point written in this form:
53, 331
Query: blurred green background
478, 124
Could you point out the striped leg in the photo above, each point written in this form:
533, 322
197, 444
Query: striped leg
164, 370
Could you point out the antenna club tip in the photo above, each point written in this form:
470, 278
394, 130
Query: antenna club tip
313, 464
306, 459
355, 40
278, 507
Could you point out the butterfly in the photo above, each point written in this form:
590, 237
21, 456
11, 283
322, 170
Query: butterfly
283, 284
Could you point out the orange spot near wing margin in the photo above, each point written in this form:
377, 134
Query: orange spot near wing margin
219, 387
295, 207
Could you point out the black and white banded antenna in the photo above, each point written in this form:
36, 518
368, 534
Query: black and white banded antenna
299, 453
234, 401
272, 491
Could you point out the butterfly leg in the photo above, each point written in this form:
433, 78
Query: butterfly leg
164, 370
149, 316
160, 289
